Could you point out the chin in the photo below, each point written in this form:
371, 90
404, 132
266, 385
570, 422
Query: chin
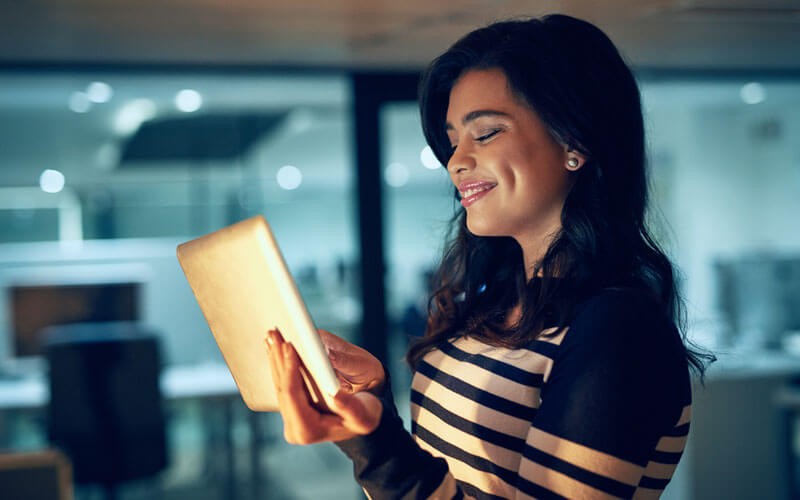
482, 227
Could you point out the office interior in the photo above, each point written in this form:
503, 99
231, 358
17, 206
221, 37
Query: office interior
127, 129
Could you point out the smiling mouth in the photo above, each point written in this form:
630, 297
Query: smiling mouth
473, 194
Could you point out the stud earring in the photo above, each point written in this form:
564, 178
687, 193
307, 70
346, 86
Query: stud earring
573, 163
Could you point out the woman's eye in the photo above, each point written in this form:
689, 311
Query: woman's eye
488, 136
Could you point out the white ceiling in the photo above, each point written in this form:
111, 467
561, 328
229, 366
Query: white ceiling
38, 131
382, 33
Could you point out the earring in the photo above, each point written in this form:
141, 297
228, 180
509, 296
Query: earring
573, 163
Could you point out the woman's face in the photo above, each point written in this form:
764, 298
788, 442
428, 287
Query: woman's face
511, 173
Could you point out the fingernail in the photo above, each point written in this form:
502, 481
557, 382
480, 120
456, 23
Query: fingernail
271, 337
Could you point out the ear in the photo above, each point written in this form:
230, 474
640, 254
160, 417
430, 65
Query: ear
573, 160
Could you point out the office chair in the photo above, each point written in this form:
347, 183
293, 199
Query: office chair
105, 410
35, 475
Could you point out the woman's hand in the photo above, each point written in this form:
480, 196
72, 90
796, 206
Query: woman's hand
354, 413
357, 369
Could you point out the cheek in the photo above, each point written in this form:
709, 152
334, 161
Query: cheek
542, 171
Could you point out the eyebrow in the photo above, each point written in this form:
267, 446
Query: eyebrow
474, 115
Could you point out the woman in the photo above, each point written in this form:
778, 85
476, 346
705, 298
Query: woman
552, 365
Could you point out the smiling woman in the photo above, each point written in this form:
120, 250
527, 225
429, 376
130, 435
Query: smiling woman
520, 180
553, 363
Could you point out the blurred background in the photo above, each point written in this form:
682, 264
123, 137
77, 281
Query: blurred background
129, 127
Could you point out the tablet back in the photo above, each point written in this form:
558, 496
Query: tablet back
244, 289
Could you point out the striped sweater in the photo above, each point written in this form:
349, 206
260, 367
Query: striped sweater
600, 410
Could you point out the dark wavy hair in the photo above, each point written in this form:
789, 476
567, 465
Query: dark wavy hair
572, 75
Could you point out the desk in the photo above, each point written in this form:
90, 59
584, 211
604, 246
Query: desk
202, 381
211, 383
737, 443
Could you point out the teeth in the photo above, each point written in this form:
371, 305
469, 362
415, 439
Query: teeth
475, 190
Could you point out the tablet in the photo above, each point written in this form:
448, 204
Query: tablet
241, 282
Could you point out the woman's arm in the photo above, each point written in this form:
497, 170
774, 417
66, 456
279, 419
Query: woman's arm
612, 420
617, 384
365, 425
388, 464
614, 412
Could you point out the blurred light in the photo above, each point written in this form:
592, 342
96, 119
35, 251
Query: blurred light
753, 93
428, 159
396, 175
99, 92
51, 181
131, 116
107, 156
79, 102
300, 120
348, 309
289, 177
188, 100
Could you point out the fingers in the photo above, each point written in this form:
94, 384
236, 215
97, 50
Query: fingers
343, 360
293, 397
344, 383
334, 346
361, 412
332, 341
274, 343
303, 423
292, 380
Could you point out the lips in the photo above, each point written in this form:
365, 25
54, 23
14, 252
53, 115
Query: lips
472, 191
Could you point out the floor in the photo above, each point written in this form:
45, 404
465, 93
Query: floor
203, 466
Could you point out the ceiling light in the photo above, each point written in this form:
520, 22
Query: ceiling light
396, 175
753, 93
131, 116
188, 100
51, 181
99, 92
79, 102
428, 159
289, 177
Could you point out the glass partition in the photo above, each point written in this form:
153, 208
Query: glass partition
418, 201
102, 174
725, 175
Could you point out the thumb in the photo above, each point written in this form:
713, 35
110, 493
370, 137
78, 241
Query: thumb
331, 341
343, 360
360, 412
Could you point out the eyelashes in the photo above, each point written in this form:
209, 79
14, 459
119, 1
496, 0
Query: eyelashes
488, 136
482, 139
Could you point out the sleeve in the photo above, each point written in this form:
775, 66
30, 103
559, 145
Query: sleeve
388, 464
618, 382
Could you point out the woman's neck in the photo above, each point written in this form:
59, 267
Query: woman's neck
533, 252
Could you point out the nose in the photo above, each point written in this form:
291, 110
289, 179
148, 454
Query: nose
460, 160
